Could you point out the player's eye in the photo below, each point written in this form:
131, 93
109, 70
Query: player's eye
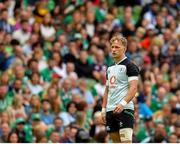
115, 47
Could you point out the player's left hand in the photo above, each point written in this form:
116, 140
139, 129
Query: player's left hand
119, 108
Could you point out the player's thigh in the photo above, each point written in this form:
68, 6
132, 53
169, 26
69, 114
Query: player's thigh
115, 137
112, 127
126, 135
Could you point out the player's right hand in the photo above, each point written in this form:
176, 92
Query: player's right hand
103, 115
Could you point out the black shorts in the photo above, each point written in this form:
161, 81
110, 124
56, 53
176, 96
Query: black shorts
117, 121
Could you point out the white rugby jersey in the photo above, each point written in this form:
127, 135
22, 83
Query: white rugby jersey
117, 80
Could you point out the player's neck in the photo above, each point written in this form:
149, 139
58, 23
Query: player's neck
117, 60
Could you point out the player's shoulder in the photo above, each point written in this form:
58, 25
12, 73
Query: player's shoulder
131, 68
127, 63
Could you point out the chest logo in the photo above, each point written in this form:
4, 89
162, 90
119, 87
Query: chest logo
112, 79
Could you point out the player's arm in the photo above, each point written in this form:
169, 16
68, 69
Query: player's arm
132, 73
105, 97
133, 87
104, 103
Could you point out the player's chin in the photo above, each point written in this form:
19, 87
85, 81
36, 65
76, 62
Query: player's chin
114, 55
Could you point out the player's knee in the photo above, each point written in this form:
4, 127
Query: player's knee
126, 135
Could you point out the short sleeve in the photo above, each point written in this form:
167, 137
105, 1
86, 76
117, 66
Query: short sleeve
132, 71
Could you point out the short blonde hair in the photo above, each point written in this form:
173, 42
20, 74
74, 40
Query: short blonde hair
141, 30
118, 39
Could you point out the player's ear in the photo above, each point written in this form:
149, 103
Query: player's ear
125, 49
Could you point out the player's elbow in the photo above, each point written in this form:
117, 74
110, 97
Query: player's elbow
133, 88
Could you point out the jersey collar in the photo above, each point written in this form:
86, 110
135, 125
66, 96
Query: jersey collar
121, 60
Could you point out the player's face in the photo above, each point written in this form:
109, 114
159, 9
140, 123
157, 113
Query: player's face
117, 50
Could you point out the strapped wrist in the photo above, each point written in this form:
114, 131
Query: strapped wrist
103, 110
123, 103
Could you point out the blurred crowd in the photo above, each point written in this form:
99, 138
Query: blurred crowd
53, 60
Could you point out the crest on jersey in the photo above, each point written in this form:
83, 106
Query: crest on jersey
122, 69
120, 124
108, 128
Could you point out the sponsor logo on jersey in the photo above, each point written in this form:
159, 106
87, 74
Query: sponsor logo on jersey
112, 80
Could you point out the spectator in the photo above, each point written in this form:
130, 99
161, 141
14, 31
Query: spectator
5, 118
85, 93
97, 126
173, 138
17, 109
17, 87
100, 66
150, 16
4, 24
13, 137
34, 84
60, 67
82, 136
133, 52
19, 130
5, 132
176, 130
47, 28
144, 100
145, 133
5, 100
4, 79
46, 116
160, 99
102, 137
66, 91
22, 35
26, 100
70, 115
160, 133
83, 69
58, 125
35, 105
55, 137
65, 138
